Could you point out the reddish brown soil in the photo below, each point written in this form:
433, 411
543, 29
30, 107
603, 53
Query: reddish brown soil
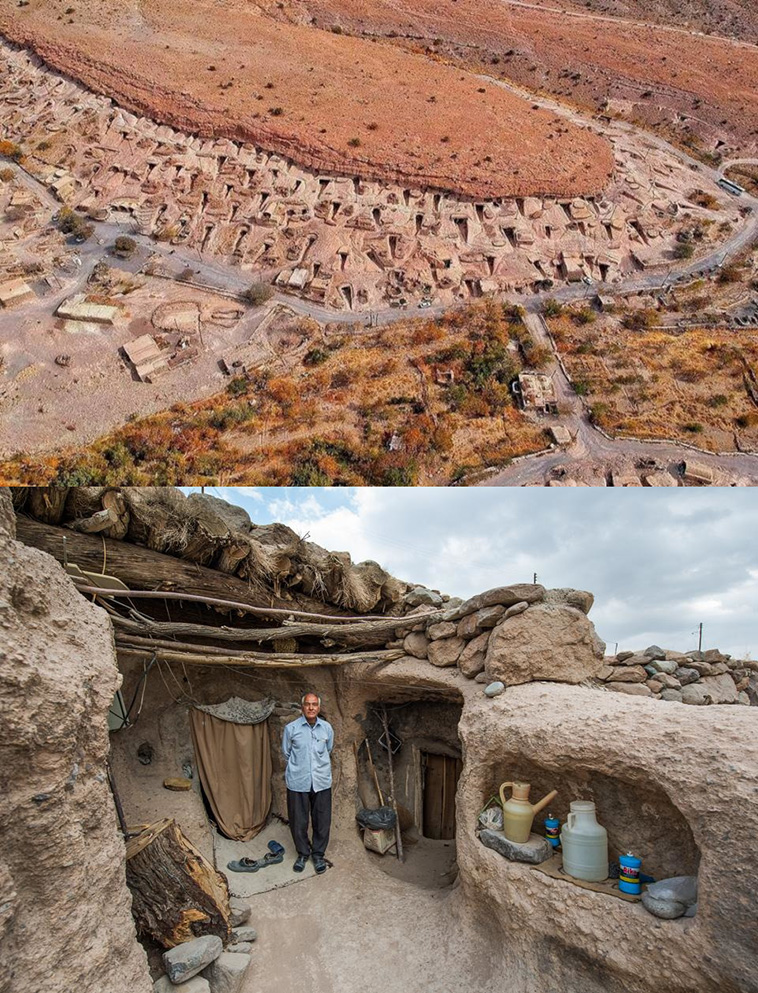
331, 102
665, 72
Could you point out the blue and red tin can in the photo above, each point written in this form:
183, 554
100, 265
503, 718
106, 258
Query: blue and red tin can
552, 830
629, 876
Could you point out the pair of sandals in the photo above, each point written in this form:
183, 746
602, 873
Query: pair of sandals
273, 856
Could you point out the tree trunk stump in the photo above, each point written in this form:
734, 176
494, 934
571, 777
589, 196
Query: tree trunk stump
177, 894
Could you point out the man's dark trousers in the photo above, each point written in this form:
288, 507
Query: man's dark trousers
319, 807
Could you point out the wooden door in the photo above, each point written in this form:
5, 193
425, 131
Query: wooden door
441, 774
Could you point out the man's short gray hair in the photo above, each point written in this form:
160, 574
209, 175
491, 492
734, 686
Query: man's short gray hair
309, 693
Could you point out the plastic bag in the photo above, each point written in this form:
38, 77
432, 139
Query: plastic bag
376, 820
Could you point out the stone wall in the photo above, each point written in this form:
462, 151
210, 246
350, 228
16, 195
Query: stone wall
65, 920
697, 678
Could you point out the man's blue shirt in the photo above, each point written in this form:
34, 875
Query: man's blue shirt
307, 748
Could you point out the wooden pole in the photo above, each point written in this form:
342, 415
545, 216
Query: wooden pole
116, 800
373, 632
373, 773
398, 838
200, 655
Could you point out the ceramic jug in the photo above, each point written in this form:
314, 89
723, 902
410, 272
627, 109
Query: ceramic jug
518, 813
584, 843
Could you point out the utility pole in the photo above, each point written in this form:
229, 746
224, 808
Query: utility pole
700, 637
535, 579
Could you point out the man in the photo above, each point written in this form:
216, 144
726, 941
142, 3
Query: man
307, 744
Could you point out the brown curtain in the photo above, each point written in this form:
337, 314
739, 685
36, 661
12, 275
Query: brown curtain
234, 762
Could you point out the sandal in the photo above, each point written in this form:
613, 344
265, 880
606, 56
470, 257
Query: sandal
253, 865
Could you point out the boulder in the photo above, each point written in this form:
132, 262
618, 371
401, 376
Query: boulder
752, 689
695, 695
549, 642
700, 667
471, 659
191, 957
581, 599
481, 677
195, 985
743, 698
420, 595
442, 629
633, 689
240, 911
484, 619
664, 665
632, 658
679, 657
711, 689
655, 652
668, 682
686, 674
517, 608
243, 934
714, 655
227, 972
507, 596
606, 672
654, 686
445, 651
673, 696
416, 644
630, 674
534, 851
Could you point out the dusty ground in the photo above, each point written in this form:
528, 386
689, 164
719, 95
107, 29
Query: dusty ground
662, 384
652, 74
41, 401
357, 928
329, 101
358, 407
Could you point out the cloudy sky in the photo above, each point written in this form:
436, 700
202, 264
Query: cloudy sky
658, 562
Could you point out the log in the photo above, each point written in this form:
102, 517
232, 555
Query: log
198, 655
373, 632
141, 567
177, 895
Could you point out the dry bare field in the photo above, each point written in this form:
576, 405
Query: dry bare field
419, 402
329, 101
697, 90
690, 386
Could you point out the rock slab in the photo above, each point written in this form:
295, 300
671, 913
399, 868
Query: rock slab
195, 985
534, 851
226, 973
191, 957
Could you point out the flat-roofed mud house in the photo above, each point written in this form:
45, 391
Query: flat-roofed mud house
256, 615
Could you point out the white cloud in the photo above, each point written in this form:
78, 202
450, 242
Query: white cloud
658, 563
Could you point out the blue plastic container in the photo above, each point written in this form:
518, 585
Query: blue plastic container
629, 877
552, 830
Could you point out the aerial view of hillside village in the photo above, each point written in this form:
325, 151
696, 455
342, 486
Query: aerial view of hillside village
317, 242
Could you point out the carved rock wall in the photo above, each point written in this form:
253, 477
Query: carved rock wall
65, 911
